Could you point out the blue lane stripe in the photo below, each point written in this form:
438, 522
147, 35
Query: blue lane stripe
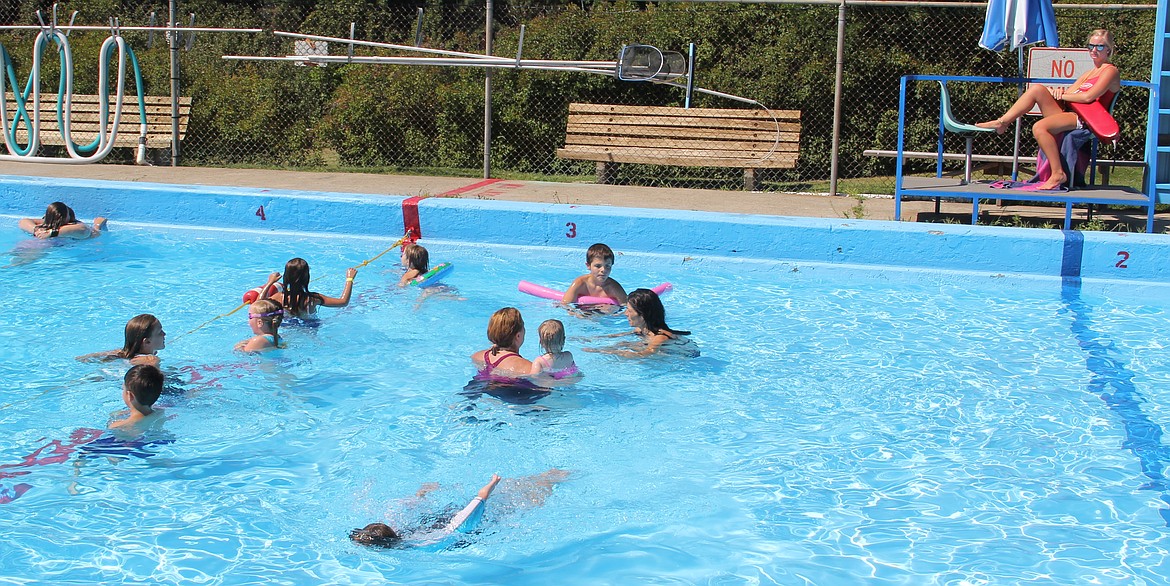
1112, 380
1072, 255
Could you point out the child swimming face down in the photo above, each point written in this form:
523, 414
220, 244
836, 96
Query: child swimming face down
56, 215
375, 534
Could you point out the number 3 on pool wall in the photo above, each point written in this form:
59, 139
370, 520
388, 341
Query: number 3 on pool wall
572, 226
1121, 261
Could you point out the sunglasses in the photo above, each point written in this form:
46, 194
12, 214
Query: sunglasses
1098, 48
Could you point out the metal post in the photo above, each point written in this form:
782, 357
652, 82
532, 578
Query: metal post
487, 96
173, 41
837, 89
1019, 128
690, 73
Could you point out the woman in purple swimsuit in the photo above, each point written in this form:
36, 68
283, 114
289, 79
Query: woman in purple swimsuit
503, 360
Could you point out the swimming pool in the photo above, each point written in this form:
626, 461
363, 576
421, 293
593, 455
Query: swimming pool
844, 424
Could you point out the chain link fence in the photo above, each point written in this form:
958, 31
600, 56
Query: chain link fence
422, 119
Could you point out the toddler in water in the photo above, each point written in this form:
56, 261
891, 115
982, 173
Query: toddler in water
264, 317
555, 362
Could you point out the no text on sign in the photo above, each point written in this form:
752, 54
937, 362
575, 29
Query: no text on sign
1058, 62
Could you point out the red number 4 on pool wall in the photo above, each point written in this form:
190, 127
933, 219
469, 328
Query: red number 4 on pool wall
1121, 261
572, 233
260, 213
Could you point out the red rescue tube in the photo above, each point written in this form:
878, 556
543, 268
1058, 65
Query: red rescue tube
252, 295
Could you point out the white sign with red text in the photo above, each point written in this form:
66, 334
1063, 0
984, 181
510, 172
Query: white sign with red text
1058, 62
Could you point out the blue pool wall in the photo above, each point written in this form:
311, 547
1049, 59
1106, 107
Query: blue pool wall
900, 245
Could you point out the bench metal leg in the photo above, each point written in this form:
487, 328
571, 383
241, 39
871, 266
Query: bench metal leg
606, 172
967, 168
1067, 215
749, 179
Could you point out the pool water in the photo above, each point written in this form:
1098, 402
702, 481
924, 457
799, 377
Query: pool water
841, 425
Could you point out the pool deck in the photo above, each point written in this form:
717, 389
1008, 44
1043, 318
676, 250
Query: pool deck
766, 203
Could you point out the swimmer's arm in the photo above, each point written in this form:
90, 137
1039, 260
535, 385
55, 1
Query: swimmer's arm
78, 231
29, 225
601, 336
614, 289
150, 359
342, 301
574, 290
272, 278
652, 344
480, 497
99, 356
408, 276
538, 365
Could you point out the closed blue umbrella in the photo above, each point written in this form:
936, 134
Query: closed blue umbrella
1015, 23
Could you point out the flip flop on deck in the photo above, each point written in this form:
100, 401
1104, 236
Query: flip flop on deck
1025, 186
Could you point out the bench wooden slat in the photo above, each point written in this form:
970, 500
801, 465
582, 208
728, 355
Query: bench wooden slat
778, 160
698, 123
785, 135
670, 111
788, 132
733, 147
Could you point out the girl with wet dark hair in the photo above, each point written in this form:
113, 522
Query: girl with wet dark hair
297, 299
646, 314
59, 221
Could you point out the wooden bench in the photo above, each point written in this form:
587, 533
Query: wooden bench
688, 137
85, 120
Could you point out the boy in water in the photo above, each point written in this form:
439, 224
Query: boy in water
140, 389
597, 283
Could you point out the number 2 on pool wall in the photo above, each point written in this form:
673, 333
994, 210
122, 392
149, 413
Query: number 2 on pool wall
572, 226
1121, 262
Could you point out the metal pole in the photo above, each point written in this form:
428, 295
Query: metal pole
173, 41
487, 96
837, 89
1019, 128
690, 73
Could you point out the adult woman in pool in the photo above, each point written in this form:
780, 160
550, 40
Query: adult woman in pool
503, 359
1099, 84
646, 314
59, 221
